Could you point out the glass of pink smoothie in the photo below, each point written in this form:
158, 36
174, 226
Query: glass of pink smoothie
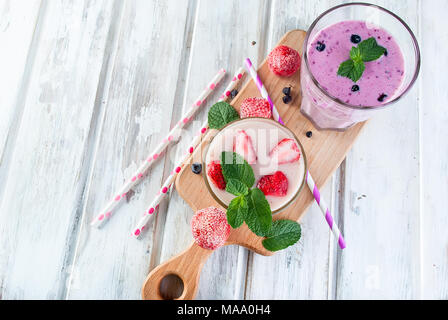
265, 135
331, 101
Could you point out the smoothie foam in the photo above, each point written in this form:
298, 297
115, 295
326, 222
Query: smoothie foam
381, 77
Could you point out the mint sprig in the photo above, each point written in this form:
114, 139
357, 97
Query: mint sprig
220, 114
251, 206
366, 51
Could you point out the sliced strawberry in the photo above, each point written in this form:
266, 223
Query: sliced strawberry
244, 147
285, 152
274, 184
214, 171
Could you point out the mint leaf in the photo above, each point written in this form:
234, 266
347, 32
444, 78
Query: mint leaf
220, 114
284, 233
345, 68
236, 187
235, 167
358, 69
370, 50
355, 54
259, 215
373, 54
351, 69
366, 51
237, 211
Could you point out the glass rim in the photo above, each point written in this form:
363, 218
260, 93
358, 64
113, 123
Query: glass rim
290, 201
347, 105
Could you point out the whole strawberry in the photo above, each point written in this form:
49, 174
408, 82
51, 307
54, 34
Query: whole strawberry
214, 171
283, 61
210, 228
255, 107
274, 184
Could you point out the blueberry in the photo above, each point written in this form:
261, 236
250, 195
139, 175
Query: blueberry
355, 88
287, 91
309, 134
233, 93
196, 168
381, 97
287, 99
320, 46
355, 38
385, 53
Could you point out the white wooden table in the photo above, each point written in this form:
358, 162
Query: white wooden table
88, 88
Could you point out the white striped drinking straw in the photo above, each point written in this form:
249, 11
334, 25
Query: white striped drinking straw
325, 210
172, 136
310, 182
262, 89
147, 216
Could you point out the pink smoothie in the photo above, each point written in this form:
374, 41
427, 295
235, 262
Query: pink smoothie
265, 134
381, 77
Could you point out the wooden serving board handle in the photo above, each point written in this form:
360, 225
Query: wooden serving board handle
186, 265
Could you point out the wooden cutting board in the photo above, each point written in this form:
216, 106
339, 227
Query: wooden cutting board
325, 151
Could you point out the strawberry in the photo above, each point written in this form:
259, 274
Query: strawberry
210, 228
274, 184
255, 107
214, 171
243, 146
285, 151
283, 61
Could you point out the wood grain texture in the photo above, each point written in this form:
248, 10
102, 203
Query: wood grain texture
136, 116
187, 266
310, 262
17, 26
88, 88
221, 39
379, 200
433, 152
44, 181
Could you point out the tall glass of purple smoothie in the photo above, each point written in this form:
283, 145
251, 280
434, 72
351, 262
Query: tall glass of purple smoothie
334, 97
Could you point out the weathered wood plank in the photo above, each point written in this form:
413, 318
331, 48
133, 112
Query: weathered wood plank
138, 97
17, 25
381, 200
301, 271
40, 202
222, 38
433, 151
85, 118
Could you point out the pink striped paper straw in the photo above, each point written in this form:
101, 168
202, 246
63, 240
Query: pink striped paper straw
233, 83
262, 89
167, 184
172, 136
325, 210
144, 220
310, 182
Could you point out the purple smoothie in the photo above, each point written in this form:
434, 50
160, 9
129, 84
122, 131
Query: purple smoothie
381, 78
